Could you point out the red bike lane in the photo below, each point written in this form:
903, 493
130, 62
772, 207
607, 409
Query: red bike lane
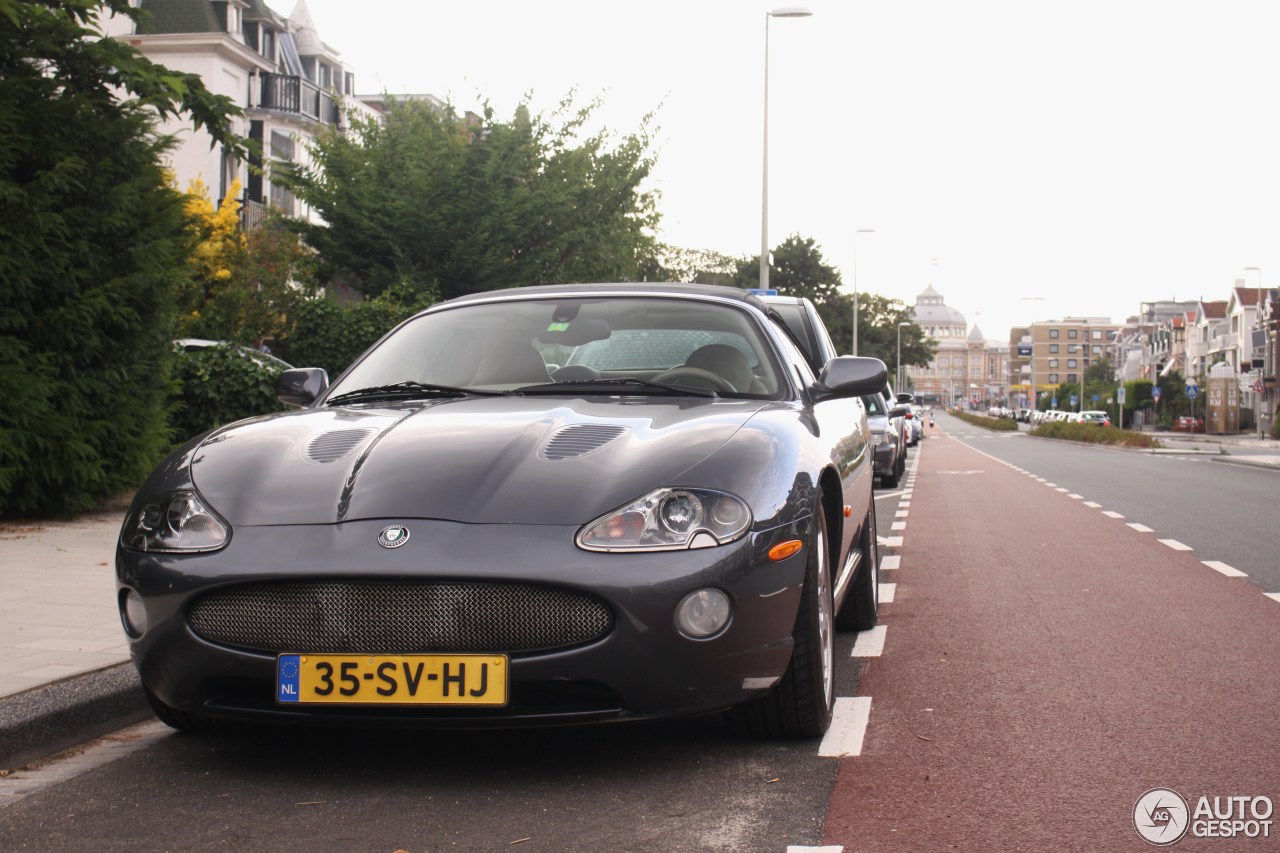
1045, 666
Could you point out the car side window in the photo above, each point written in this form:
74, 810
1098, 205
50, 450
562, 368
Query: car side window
799, 365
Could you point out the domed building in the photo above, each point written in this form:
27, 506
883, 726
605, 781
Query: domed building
965, 366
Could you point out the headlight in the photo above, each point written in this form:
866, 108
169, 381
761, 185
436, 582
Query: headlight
668, 519
174, 522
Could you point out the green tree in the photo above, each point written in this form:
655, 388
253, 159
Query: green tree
92, 250
455, 205
799, 270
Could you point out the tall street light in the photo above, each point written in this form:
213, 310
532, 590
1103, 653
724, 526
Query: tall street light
1257, 322
854, 349
785, 12
898, 388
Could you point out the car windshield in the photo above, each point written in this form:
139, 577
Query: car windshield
575, 344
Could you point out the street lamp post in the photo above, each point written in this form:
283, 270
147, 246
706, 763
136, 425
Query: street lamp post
898, 386
787, 12
1257, 322
854, 349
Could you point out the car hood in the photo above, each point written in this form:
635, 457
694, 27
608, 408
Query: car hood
473, 460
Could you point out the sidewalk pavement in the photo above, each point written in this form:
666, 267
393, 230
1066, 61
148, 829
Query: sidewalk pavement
65, 675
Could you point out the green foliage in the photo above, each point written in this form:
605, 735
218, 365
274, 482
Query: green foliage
799, 270
92, 247
993, 424
216, 386
269, 275
1094, 434
454, 205
331, 335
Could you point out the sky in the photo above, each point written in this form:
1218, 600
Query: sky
1029, 159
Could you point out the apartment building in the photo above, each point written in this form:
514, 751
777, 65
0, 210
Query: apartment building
1050, 353
287, 80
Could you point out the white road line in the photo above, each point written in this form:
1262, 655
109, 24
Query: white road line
870, 643
898, 525
1225, 569
904, 504
890, 541
887, 591
1274, 596
849, 721
830, 848
1076, 497
890, 562
1175, 544
1093, 505
1141, 528
902, 513
1110, 513
1060, 489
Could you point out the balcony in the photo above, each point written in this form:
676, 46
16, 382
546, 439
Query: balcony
287, 93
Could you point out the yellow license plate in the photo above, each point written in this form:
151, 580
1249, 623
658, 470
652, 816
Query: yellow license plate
456, 680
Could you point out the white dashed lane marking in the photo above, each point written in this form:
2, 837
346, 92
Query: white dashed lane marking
1229, 571
1141, 528
887, 591
870, 643
890, 562
1175, 544
848, 727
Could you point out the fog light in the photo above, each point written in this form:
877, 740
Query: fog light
135, 614
703, 613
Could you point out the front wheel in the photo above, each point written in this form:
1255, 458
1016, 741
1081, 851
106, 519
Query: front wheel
861, 608
800, 704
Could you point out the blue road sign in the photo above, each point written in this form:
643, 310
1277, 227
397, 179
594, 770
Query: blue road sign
1192, 391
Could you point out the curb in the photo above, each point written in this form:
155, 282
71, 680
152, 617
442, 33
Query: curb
45, 720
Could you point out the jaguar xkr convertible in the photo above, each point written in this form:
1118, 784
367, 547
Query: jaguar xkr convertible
537, 506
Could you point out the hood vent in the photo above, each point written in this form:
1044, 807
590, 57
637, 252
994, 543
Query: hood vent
579, 440
332, 446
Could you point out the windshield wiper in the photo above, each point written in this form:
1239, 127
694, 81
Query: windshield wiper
410, 390
553, 387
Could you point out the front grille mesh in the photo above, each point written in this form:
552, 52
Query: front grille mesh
385, 617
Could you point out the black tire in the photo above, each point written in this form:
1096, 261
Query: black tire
800, 704
861, 608
890, 480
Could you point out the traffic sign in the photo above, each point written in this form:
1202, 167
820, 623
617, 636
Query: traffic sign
1192, 391
1156, 392
1120, 393
1257, 386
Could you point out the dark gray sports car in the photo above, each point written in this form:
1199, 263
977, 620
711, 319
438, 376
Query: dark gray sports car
547, 505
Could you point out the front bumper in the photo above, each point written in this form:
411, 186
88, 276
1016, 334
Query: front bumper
642, 668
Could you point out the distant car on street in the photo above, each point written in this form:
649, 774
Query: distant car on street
888, 432
1094, 417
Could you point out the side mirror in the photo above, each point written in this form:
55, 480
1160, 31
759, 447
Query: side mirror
301, 386
899, 412
852, 376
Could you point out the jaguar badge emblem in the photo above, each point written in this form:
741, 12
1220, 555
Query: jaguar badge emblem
393, 536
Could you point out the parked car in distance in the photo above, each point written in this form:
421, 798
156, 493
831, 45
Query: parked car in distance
674, 523
914, 423
265, 359
1094, 417
1188, 424
887, 431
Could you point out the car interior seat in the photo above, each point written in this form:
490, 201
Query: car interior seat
511, 363
725, 361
